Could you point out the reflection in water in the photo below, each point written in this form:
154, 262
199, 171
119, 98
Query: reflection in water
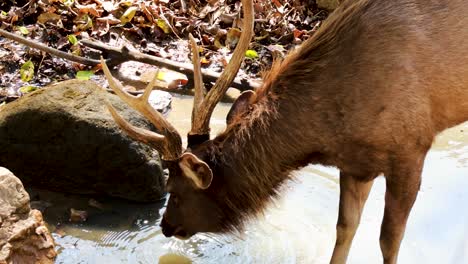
297, 228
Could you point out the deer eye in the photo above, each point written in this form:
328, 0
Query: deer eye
175, 198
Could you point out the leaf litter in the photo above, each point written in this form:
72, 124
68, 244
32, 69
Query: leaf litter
155, 27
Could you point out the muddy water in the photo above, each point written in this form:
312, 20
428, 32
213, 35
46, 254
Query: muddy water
298, 228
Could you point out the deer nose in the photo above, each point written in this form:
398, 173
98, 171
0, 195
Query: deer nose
166, 228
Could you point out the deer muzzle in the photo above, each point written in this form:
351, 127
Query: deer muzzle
177, 231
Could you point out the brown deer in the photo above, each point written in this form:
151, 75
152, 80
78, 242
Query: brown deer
367, 93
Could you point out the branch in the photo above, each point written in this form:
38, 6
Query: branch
52, 51
116, 56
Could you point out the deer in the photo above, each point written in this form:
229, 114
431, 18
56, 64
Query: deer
366, 93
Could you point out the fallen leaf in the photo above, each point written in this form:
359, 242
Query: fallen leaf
251, 54
84, 75
298, 33
27, 71
84, 22
204, 61
163, 25
68, 2
73, 40
27, 89
76, 50
23, 30
48, 17
89, 9
108, 6
279, 6
110, 19
276, 48
128, 15
161, 75
232, 37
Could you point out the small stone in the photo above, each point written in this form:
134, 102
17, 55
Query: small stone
172, 258
60, 232
95, 204
78, 215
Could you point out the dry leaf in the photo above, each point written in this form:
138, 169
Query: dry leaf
232, 37
48, 17
128, 15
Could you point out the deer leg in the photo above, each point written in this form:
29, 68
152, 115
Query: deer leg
402, 188
353, 196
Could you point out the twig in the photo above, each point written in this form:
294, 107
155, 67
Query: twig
116, 56
49, 50
183, 6
161, 15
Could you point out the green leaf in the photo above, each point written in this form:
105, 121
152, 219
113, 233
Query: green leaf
84, 75
84, 23
28, 89
128, 15
163, 25
73, 40
68, 2
23, 30
161, 75
251, 54
27, 71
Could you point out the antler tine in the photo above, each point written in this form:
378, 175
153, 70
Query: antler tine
204, 109
199, 87
169, 144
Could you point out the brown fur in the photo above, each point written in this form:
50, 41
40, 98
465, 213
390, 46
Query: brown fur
367, 94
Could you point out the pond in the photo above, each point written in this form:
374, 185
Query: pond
298, 228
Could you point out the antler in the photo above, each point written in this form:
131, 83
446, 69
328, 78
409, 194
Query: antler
168, 143
204, 103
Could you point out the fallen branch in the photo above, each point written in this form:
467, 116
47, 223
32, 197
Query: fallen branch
52, 51
115, 56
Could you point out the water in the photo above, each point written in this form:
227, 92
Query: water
298, 228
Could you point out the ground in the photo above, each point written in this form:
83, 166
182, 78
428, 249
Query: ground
156, 27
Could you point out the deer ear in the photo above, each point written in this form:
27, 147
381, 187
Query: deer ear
241, 105
196, 170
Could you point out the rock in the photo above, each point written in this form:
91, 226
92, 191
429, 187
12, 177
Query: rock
172, 258
95, 204
160, 100
328, 4
23, 235
78, 215
63, 138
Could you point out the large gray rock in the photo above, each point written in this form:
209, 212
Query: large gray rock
63, 138
24, 238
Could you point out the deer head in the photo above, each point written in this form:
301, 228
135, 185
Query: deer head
191, 207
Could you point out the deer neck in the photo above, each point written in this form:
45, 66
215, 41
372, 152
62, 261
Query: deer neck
255, 157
